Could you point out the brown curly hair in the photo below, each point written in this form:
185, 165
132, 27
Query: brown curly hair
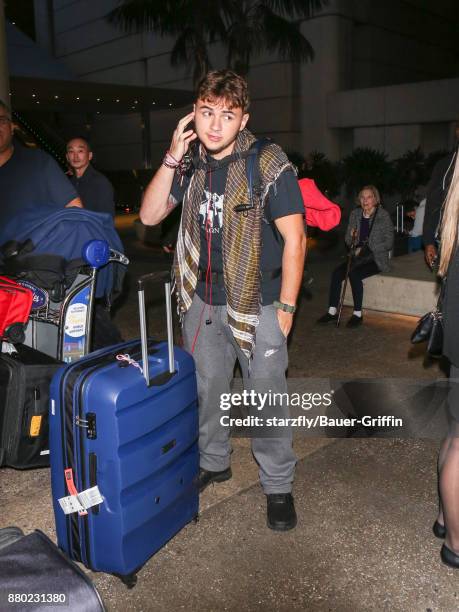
226, 85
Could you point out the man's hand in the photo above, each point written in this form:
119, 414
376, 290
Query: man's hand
181, 139
157, 202
285, 321
75, 203
430, 253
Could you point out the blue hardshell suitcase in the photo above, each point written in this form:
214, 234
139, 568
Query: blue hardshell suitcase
137, 443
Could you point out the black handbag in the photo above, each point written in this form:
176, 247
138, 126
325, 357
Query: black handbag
430, 328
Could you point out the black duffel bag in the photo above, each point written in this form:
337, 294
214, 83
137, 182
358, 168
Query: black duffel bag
47, 271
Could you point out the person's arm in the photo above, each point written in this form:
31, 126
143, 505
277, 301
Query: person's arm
434, 201
432, 215
157, 202
76, 202
291, 229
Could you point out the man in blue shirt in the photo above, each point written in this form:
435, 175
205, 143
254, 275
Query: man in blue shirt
31, 182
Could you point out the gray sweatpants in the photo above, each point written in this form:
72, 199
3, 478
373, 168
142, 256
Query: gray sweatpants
215, 356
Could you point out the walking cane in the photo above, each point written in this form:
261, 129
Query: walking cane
348, 269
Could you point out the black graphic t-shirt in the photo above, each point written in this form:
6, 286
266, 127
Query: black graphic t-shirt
284, 199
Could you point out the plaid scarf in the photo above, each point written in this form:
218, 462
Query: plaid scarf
241, 239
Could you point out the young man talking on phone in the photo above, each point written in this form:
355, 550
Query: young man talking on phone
238, 269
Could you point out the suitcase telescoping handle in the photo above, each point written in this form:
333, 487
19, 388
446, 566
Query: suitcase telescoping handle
143, 325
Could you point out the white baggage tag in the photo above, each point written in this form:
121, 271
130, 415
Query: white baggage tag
70, 504
81, 502
90, 497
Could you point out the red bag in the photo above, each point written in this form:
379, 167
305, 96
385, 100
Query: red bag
320, 211
15, 306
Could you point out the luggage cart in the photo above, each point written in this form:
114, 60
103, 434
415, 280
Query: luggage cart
63, 329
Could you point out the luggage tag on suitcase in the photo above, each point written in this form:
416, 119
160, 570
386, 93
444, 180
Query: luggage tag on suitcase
79, 502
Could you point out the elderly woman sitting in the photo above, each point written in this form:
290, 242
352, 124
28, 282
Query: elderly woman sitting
371, 232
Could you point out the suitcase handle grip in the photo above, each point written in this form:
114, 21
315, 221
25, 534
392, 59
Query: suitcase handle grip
143, 326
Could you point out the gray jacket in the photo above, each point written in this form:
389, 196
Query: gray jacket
381, 237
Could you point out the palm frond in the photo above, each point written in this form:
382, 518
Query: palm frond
284, 37
294, 8
145, 15
245, 27
169, 16
189, 50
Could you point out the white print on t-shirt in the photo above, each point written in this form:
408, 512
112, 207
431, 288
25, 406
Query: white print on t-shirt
212, 205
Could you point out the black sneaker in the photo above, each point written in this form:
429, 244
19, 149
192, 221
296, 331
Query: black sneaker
327, 317
206, 477
281, 515
354, 321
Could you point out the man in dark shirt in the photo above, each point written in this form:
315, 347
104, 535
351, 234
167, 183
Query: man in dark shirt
31, 182
238, 268
94, 189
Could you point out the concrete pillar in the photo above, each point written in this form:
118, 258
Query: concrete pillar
4, 78
331, 38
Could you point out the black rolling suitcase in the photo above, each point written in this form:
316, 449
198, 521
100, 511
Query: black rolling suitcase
25, 377
36, 575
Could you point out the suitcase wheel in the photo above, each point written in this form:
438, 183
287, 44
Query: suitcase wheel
130, 580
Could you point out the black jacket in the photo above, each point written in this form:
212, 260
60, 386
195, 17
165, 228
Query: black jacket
95, 191
436, 192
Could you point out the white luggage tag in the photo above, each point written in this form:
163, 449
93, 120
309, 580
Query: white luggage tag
79, 502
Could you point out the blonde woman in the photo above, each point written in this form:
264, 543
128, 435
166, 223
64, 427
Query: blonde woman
447, 523
371, 230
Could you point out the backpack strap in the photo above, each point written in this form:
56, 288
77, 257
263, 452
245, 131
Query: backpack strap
255, 179
252, 167
253, 174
